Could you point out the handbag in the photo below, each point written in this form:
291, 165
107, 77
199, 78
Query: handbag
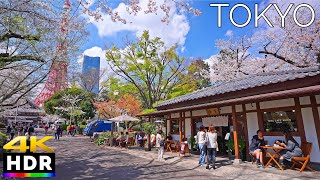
162, 143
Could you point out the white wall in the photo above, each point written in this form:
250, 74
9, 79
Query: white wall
252, 124
305, 100
226, 109
199, 113
251, 106
187, 122
277, 103
318, 99
175, 115
187, 114
311, 135
238, 108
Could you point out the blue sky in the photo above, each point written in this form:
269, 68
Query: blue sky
196, 36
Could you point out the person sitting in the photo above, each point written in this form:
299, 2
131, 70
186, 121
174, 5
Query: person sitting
127, 137
140, 139
169, 137
256, 150
120, 138
292, 149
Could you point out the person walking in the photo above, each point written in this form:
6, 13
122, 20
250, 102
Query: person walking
12, 132
8, 130
160, 145
46, 128
57, 132
29, 133
211, 139
201, 140
20, 130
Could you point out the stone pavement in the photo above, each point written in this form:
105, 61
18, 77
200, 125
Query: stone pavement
78, 158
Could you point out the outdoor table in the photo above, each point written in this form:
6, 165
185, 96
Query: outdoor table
276, 152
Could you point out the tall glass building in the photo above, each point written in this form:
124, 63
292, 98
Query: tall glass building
91, 73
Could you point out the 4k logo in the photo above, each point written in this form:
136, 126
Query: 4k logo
33, 144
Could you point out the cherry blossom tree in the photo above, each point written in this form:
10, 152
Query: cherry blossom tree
30, 34
269, 49
134, 7
292, 45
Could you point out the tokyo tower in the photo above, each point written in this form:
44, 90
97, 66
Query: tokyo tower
57, 77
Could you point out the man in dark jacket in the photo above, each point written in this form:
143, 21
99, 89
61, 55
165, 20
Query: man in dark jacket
255, 149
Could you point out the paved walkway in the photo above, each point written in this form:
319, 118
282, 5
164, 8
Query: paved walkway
78, 158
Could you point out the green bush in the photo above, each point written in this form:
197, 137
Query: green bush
64, 127
3, 139
82, 127
192, 142
241, 144
148, 127
101, 139
2, 125
136, 127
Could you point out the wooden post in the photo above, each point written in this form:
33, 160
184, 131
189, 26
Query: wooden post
148, 137
316, 118
180, 126
235, 135
300, 120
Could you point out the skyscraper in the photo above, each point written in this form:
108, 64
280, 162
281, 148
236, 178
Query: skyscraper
90, 74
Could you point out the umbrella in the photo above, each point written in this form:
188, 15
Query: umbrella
124, 118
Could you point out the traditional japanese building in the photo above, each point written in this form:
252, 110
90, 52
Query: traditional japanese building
27, 111
266, 101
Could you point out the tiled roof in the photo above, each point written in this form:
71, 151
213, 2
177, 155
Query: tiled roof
247, 82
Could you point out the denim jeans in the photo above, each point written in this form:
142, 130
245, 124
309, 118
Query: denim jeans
212, 156
202, 153
56, 136
160, 153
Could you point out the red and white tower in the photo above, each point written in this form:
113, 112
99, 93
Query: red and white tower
57, 77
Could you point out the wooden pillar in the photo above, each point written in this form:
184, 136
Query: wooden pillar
245, 128
260, 117
235, 135
180, 126
148, 137
316, 117
300, 120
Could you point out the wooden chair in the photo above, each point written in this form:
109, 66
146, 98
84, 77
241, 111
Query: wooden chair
121, 144
306, 148
130, 142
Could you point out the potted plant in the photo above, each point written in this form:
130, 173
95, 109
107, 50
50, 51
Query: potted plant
241, 146
148, 128
193, 145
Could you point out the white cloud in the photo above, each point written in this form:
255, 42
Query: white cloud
173, 33
229, 33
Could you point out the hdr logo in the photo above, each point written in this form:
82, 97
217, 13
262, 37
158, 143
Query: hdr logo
28, 164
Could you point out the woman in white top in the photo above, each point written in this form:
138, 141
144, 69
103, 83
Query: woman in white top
211, 139
201, 140
160, 145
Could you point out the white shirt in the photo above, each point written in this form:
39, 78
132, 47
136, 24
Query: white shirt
211, 139
159, 138
201, 137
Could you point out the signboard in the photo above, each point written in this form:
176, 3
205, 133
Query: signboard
213, 111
